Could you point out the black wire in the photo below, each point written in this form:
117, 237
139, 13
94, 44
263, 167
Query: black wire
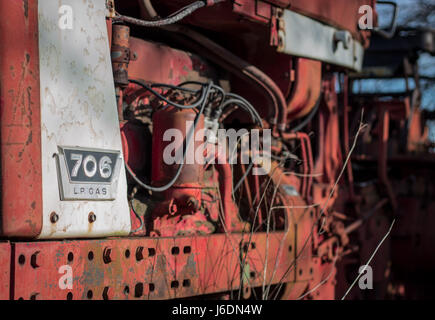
244, 107
217, 88
180, 167
248, 105
197, 104
235, 99
170, 86
185, 83
236, 96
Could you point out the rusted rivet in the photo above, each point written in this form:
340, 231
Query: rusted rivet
54, 217
106, 255
92, 217
33, 296
33, 260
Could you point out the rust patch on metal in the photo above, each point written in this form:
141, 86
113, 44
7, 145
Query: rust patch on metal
20, 119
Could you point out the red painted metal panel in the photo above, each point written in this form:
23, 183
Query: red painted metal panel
5, 270
258, 11
307, 89
169, 65
280, 258
20, 120
137, 269
148, 268
340, 13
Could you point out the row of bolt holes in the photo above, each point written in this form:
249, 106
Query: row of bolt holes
139, 254
139, 257
139, 286
151, 252
138, 290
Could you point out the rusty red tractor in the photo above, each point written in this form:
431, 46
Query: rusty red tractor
108, 108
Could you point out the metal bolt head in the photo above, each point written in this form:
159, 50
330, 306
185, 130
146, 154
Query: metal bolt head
344, 37
54, 217
92, 217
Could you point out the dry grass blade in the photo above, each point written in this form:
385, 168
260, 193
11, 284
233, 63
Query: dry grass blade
322, 212
370, 260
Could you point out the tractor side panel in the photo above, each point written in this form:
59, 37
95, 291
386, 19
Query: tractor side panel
20, 120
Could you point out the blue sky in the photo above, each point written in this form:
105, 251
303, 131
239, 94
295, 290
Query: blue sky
426, 62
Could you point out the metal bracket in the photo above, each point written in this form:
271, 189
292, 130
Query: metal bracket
110, 5
392, 29
301, 36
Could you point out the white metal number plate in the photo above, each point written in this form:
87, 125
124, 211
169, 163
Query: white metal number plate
78, 108
88, 174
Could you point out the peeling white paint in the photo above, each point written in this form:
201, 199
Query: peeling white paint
78, 108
